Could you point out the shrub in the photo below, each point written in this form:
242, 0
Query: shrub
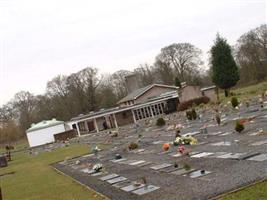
239, 127
132, 146
234, 102
194, 114
218, 118
197, 101
191, 114
160, 122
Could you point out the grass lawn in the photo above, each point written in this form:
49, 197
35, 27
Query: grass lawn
34, 179
257, 192
247, 92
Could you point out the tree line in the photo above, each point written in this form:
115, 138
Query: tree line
88, 90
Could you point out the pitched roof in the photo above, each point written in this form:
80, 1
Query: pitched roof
44, 124
137, 93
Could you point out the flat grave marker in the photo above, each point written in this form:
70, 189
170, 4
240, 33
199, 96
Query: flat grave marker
201, 155
261, 157
198, 173
110, 176
144, 164
161, 166
118, 160
223, 143
116, 180
146, 189
122, 184
183, 171
132, 187
259, 143
137, 162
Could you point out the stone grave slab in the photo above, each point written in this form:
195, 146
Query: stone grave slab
170, 169
116, 180
118, 160
201, 155
261, 157
137, 150
122, 184
215, 133
216, 154
259, 143
132, 187
182, 171
137, 162
223, 143
145, 190
194, 153
231, 155
127, 161
144, 164
197, 174
248, 155
110, 176
161, 166
191, 134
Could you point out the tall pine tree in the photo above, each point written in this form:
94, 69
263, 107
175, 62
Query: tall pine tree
225, 73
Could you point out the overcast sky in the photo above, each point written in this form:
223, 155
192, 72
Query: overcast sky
41, 39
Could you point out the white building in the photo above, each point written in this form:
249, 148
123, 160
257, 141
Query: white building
44, 131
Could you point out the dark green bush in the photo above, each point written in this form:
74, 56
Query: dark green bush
160, 122
234, 102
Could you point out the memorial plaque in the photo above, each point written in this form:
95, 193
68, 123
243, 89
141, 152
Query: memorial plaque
198, 173
226, 133
231, 155
132, 187
248, 155
261, 157
223, 143
215, 133
89, 155
161, 166
116, 180
182, 171
201, 155
127, 161
118, 160
216, 154
170, 169
110, 176
122, 184
259, 143
144, 164
146, 189
137, 162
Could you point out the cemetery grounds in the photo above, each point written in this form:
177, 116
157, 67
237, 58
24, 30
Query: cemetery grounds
222, 161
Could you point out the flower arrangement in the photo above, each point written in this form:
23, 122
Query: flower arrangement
98, 167
166, 146
187, 140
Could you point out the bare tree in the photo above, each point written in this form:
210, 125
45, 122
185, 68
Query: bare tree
182, 57
251, 54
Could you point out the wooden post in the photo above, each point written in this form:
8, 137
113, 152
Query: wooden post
1, 198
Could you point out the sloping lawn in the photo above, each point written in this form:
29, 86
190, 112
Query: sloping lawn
34, 179
255, 192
